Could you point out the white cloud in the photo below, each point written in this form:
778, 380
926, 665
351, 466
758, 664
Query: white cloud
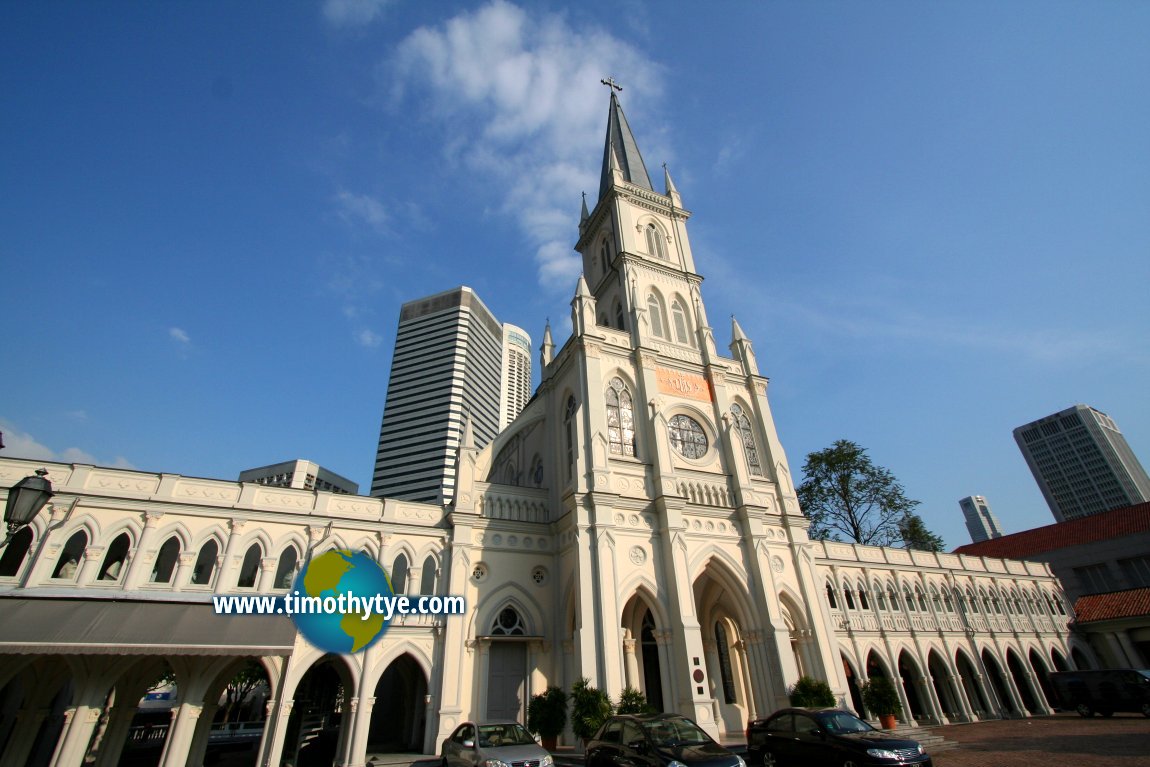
180, 335
520, 96
353, 13
368, 339
361, 208
20, 444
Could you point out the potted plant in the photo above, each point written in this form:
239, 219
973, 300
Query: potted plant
590, 708
809, 692
631, 701
547, 716
881, 699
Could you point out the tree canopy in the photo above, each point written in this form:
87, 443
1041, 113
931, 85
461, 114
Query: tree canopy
848, 498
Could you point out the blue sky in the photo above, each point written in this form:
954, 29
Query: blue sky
932, 219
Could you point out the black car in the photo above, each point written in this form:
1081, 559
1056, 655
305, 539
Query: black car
805, 737
657, 740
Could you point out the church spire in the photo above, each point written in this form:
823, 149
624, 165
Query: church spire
621, 143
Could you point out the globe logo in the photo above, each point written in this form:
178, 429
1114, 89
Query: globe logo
342, 580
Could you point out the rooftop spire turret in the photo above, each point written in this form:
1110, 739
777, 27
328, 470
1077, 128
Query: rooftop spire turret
621, 143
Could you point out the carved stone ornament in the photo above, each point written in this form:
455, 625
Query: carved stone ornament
638, 556
777, 564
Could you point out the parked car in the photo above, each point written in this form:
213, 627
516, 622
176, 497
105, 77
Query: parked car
656, 740
1103, 690
803, 737
493, 744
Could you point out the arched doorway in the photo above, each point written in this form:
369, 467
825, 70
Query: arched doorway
315, 728
643, 659
969, 678
853, 686
506, 684
1081, 662
722, 606
948, 697
909, 672
998, 683
1042, 674
1059, 660
399, 716
1021, 683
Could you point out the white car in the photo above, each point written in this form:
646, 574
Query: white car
493, 744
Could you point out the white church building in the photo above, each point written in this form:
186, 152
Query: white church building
636, 525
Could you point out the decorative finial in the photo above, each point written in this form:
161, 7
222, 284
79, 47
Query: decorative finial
610, 83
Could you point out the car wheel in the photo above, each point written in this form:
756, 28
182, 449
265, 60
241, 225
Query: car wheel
769, 760
849, 763
1084, 710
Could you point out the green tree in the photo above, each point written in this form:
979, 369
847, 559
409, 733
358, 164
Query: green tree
914, 534
850, 499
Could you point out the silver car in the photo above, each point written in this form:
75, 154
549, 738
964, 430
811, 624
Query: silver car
493, 744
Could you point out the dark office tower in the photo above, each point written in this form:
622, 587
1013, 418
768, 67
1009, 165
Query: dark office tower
1082, 463
448, 365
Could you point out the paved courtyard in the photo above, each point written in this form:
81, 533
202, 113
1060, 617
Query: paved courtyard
1063, 740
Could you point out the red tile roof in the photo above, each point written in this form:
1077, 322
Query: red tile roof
1115, 523
1116, 604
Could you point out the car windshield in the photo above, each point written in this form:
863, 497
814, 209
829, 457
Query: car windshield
510, 734
674, 732
842, 723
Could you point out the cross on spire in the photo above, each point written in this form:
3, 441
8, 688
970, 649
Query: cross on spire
610, 83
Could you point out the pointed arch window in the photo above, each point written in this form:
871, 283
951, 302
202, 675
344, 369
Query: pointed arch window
285, 570
620, 419
508, 623
15, 553
250, 569
747, 437
655, 242
831, 597
205, 566
655, 311
880, 597
114, 560
848, 597
569, 432
166, 561
680, 324
725, 671
863, 603
619, 316
69, 560
605, 253
399, 575
427, 577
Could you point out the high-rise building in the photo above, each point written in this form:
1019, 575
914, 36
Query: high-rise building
980, 522
1082, 463
302, 475
516, 385
450, 365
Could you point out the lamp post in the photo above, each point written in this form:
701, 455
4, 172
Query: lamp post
25, 500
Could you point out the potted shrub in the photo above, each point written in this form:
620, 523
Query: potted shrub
547, 716
809, 692
881, 699
631, 701
590, 708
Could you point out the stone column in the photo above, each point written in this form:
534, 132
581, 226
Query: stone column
630, 663
143, 556
275, 732
357, 754
745, 674
348, 726
926, 682
179, 742
79, 724
202, 735
266, 583
115, 735
482, 671
229, 572
183, 571
89, 564
959, 691
666, 663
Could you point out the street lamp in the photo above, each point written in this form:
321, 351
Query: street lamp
25, 500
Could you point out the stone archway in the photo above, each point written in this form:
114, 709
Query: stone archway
399, 715
319, 719
998, 683
1042, 674
916, 697
969, 677
944, 690
722, 606
645, 658
1021, 683
853, 685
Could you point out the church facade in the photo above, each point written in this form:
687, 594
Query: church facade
636, 525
